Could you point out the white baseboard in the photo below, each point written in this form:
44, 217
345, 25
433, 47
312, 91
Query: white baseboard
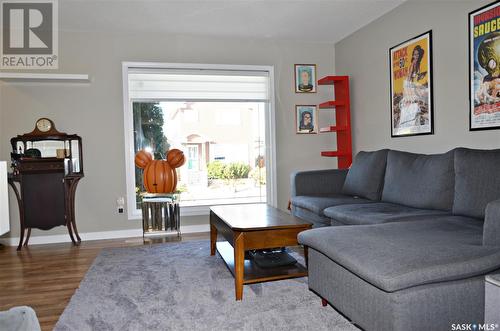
62, 238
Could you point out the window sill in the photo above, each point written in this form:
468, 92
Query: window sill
202, 210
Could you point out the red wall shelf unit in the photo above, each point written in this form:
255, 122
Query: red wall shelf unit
342, 126
334, 128
334, 154
331, 104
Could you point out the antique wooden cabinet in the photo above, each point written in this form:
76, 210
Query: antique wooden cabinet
46, 168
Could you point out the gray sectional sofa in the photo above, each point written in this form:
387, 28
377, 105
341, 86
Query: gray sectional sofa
403, 241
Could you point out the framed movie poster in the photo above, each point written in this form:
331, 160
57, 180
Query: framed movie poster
411, 87
484, 68
306, 119
305, 78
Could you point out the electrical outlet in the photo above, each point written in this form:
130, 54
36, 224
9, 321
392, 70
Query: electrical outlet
120, 203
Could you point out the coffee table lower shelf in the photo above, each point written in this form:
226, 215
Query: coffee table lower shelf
253, 273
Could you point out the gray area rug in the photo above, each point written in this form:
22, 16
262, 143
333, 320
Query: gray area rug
179, 286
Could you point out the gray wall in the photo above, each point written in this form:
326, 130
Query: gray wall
95, 110
364, 56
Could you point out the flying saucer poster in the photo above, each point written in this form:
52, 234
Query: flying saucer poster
484, 67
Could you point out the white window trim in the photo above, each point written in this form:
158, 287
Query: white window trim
270, 120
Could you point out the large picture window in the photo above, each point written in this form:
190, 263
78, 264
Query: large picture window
220, 118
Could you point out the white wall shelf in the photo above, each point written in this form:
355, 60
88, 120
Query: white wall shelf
43, 77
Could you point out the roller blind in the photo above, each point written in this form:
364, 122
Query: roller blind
172, 84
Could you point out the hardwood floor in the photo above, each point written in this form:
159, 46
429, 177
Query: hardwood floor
45, 277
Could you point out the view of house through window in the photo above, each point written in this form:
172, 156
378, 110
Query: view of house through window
224, 144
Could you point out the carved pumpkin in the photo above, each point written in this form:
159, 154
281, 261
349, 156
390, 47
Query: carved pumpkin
175, 158
142, 159
160, 176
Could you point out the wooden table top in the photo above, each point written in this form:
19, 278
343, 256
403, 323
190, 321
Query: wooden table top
252, 217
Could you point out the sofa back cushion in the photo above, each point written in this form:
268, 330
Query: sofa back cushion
477, 180
419, 180
366, 176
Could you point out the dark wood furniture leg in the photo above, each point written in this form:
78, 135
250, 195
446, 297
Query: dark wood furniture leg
78, 239
72, 184
239, 264
70, 231
213, 239
27, 237
21, 238
21, 212
324, 303
75, 230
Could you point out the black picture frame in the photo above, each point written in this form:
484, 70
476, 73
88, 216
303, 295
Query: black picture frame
471, 67
429, 88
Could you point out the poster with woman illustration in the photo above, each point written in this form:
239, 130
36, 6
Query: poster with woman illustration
484, 67
411, 87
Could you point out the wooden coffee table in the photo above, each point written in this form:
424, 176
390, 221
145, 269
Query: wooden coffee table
254, 226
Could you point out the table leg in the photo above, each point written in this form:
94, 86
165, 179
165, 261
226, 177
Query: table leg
239, 264
213, 239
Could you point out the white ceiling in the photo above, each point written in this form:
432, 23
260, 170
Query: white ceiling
323, 21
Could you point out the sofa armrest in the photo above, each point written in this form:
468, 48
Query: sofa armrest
317, 182
491, 229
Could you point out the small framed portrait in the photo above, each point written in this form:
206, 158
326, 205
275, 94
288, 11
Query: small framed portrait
306, 119
305, 78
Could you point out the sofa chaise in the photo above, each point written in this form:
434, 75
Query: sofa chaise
402, 241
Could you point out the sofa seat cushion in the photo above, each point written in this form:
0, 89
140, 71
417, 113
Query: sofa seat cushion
420, 181
379, 212
317, 204
316, 220
395, 256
